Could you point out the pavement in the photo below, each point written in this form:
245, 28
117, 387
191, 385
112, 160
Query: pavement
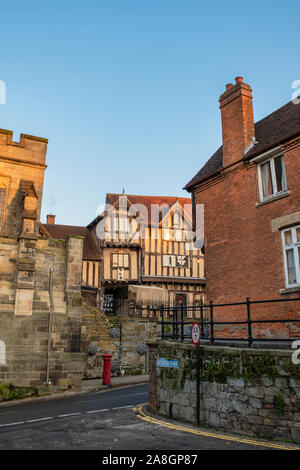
96, 384
89, 385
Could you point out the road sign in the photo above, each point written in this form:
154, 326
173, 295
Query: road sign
162, 362
195, 333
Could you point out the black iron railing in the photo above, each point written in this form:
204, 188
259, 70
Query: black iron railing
175, 320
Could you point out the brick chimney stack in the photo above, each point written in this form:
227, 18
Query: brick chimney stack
51, 219
237, 120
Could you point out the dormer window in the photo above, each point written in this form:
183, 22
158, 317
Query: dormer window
271, 178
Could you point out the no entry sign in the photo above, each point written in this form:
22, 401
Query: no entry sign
195, 333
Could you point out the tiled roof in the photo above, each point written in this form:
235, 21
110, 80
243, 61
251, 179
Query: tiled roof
274, 129
90, 250
148, 201
211, 166
63, 231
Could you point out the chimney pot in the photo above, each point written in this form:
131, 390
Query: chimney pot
238, 79
228, 86
51, 219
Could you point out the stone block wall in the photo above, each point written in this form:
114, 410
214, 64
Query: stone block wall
132, 348
252, 392
20, 161
24, 325
123, 337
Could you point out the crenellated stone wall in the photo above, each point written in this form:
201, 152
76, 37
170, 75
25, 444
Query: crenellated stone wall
250, 391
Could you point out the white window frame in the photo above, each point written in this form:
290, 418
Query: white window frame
173, 261
294, 245
169, 261
273, 177
120, 260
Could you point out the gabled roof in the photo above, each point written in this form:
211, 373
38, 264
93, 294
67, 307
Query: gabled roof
90, 249
276, 128
148, 201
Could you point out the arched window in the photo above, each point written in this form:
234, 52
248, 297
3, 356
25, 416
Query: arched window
2, 205
2, 353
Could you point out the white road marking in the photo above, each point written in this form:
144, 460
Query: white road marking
11, 424
120, 407
39, 419
97, 411
68, 414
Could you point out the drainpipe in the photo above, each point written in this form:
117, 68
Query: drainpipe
120, 348
48, 382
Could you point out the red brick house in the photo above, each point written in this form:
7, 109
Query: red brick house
250, 189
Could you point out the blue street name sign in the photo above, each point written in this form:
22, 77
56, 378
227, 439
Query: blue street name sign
161, 362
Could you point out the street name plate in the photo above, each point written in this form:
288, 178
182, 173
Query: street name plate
162, 362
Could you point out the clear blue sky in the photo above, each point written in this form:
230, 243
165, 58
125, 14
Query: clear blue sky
127, 90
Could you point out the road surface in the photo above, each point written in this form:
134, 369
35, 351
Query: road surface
98, 420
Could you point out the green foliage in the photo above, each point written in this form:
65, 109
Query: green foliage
182, 378
258, 366
167, 330
279, 402
10, 392
220, 368
291, 369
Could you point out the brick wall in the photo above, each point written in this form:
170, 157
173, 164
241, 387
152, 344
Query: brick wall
243, 249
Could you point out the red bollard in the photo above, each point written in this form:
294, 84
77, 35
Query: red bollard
106, 369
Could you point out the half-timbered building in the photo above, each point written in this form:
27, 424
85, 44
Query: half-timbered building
140, 252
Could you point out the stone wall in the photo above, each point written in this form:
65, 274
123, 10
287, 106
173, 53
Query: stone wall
131, 345
122, 336
252, 392
20, 161
25, 312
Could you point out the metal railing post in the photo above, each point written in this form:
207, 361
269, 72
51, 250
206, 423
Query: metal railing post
201, 320
211, 306
162, 322
174, 324
182, 323
250, 338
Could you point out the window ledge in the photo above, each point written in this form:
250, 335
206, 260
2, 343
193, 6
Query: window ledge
289, 290
274, 198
